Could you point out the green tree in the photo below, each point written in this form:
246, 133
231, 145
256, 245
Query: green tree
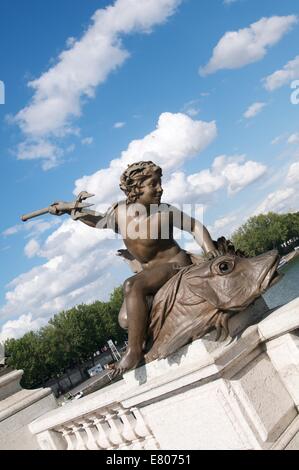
24, 353
265, 232
70, 338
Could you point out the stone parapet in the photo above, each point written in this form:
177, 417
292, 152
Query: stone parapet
18, 407
241, 394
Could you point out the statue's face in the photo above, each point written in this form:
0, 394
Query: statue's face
151, 191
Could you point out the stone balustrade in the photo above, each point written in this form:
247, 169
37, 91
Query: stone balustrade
109, 428
241, 394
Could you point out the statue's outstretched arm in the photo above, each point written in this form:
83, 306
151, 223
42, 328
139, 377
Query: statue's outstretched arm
78, 210
203, 238
91, 218
96, 219
193, 226
87, 216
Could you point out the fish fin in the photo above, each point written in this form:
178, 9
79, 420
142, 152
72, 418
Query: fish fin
222, 325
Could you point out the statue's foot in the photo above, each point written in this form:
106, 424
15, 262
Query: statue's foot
129, 361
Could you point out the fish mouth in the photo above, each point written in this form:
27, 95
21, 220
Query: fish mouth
272, 276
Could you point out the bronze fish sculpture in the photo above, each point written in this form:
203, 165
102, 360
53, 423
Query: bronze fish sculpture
202, 297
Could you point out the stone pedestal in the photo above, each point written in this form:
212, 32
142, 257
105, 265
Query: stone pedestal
18, 407
241, 394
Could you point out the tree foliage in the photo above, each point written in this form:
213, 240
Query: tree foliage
70, 338
266, 232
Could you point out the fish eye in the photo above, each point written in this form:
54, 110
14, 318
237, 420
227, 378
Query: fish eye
225, 267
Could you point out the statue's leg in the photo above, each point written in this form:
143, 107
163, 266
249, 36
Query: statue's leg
136, 290
122, 316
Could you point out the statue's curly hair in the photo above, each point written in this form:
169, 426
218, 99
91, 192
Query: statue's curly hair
134, 176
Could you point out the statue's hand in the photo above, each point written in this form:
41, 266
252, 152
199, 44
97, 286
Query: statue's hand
213, 254
125, 254
59, 208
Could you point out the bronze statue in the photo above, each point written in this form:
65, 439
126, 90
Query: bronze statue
203, 297
58, 208
166, 271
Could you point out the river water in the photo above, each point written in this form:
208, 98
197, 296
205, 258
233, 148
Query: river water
287, 288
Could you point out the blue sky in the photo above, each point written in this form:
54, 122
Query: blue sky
207, 81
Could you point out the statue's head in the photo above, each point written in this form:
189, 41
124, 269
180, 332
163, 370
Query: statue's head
134, 179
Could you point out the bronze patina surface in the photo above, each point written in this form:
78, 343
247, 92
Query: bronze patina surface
174, 296
203, 297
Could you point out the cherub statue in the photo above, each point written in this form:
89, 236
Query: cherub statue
147, 228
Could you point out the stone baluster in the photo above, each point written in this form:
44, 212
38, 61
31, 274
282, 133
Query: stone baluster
78, 432
142, 430
129, 423
115, 435
103, 434
89, 428
68, 435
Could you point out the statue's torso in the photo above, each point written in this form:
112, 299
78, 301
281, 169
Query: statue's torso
148, 237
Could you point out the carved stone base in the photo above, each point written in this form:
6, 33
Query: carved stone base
241, 394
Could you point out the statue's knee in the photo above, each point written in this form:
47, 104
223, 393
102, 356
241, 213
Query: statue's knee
123, 321
128, 286
123, 317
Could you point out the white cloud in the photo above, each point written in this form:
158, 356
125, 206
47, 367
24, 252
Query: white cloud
281, 200
232, 173
229, 2
224, 226
239, 174
78, 270
40, 149
277, 140
283, 76
286, 197
87, 141
293, 173
224, 222
32, 248
70, 42
254, 109
17, 328
32, 227
239, 48
176, 139
191, 108
293, 139
11, 230
59, 93
192, 112
119, 125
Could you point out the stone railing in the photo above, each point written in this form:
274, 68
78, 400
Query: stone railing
241, 394
110, 428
